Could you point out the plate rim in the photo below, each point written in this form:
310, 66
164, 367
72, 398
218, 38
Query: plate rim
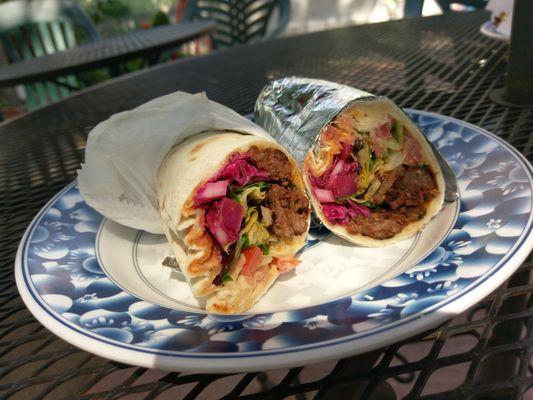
292, 356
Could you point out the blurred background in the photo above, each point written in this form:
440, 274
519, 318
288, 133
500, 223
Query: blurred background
105, 19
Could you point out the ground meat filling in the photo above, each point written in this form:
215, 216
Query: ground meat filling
402, 197
289, 205
273, 161
388, 180
416, 186
290, 210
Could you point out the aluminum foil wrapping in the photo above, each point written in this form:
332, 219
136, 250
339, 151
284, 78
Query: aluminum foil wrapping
294, 110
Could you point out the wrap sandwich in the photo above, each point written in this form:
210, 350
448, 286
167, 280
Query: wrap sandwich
372, 177
235, 213
229, 199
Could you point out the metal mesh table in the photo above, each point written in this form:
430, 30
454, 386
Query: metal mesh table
104, 52
441, 64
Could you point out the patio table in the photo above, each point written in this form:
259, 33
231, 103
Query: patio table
104, 53
441, 64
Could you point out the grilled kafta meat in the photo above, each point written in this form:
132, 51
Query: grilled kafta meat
289, 206
290, 210
273, 161
402, 196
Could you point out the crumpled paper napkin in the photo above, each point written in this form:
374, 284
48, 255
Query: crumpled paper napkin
123, 153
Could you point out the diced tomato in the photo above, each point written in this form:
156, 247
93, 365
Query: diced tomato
383, 132
285, 264
412, 150
254, 256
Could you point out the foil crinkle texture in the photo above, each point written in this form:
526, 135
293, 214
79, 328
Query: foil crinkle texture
294, 110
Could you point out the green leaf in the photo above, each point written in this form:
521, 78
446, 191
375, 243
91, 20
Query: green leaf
233, 195
245, 241
264, 248
251, 192
397, 131
261, 185
361, 201
227, 278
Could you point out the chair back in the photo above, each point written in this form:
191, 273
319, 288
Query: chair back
239, 21
30, 29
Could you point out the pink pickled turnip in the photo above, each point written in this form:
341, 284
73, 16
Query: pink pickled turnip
341, 179
211, 191
345, 185
336, 213
242, 172
341, 213
323, 195
224, 220
356, 209
383, 132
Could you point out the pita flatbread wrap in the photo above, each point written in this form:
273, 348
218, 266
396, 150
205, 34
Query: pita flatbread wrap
230, 200
199, 165
371, 175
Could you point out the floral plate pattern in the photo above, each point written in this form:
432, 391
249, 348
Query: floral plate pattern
63, 285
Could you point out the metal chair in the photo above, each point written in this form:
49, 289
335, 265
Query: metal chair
30, 29
239, 21
413, 8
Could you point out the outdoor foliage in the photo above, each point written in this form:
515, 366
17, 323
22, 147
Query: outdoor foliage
98, 10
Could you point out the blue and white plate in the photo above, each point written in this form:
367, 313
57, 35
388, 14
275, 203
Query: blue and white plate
101, 286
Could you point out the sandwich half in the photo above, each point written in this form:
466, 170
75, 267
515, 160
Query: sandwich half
372, 177
235, 212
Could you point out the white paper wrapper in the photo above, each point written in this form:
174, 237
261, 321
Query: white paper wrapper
123, 153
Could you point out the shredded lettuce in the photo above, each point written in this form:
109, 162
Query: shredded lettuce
261, 185
254, 191
246, 241
254, 232
397, 131
233, 195
371, 166
258, 234
364, 157
254, 229
249, 218
362, 201
372, 189
264, 248
393, 144
266, 216
393, 160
